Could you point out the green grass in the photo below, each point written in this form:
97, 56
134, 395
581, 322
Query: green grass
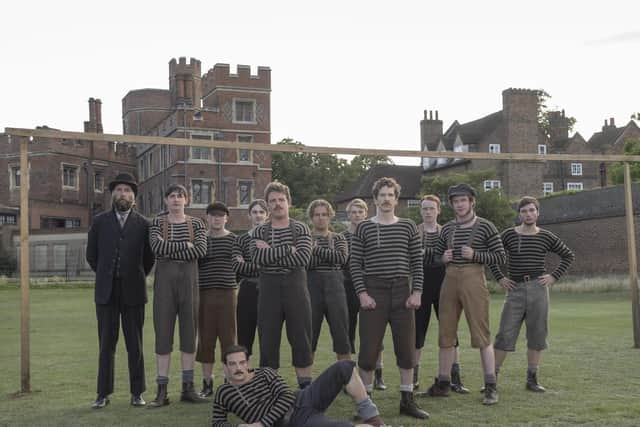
590, 370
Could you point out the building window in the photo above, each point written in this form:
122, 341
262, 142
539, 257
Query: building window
201, 192
40, 257
244, 155
244, 111
164, 156
414, 203
59, 257
98, 182
141, 168
576, 169
491, 184
494, 148
542, 149
70, 177
50, 222
547, 188
15, 176
575, 186
200, 153
244, 193
8, 219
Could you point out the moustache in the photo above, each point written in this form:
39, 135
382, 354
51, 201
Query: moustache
238, 372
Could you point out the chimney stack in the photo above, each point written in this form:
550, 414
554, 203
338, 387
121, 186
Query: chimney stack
98, 113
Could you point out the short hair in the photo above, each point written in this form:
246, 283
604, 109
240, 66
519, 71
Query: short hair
234, 349
359, 203
217, 207
176, 188
319, 203
259, 202
528, 200
277, 187
386, 182
433, 198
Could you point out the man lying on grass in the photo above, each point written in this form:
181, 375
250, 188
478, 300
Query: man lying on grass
261, 398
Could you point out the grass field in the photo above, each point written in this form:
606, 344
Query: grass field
590, 371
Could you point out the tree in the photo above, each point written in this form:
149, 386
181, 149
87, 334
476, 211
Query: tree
492, 204
544, 113
632, 148
8, 263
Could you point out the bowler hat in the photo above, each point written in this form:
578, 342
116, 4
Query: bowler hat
461, 190
124, 178
217, 207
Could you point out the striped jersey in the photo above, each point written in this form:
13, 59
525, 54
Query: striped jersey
241, 248
429, 242
215, 269
265, 399
487, 245
280, 256
328, 253
386, 250
175, 246
526, 254
348, 236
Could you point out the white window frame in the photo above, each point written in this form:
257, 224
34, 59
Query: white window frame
234, 111
495, 148
98, 188
491, 184
576, 169
414, 203
77, 169
547, 188
575, 186
251, 192
542, 149
202, 137
12, 176
239, 139
192, 199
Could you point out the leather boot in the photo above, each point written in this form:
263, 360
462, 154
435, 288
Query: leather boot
189, 394
438, 389
207, 388
375, 421
456, 382
416, 377
378, 382
161, 398
408, 406
532, 383
490, 394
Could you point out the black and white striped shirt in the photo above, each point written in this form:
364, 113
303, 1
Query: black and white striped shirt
324, 257
526, 254
487, 245
175, 247
215, 269
241, 247
386, 250
429, 243
265, 399
280, 257
348, 236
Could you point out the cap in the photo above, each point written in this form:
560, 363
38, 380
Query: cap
461, 190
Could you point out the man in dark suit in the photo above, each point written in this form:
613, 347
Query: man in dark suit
118, 251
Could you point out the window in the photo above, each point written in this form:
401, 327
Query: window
57, 222
70, 177
542, 149
491, 184
547, 188
40, 257
59, 257
574, 186
244, 193
576, 169
164, 156
244, 111
244, 155
98, 182
414, 203
200, 153
141, 168
15, 176
494, 148
201, 192
8, 219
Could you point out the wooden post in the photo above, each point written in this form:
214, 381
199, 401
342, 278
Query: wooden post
633, 261
24, 264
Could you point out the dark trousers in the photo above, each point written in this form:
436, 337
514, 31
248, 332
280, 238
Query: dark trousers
247, 313
109, 316
433, 277
353, 307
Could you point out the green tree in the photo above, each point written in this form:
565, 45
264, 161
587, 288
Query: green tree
543, 113
8, 262
492, 204
616, 172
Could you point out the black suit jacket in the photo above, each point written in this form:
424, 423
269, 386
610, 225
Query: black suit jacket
107, 242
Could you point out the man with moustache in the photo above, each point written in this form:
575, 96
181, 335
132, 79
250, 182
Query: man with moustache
527, 287
466, 244
262, 398
386, 250
282, 249
177, 240
118, 252
247, 272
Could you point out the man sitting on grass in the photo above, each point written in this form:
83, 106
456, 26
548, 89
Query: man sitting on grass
262, 398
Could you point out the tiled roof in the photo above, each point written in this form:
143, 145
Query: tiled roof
472, 132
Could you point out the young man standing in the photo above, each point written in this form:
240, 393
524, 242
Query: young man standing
434, 271
247, 271
357, 210
178, 241
262, 397
118, 251
282, 248
527, 287
218, 294
325, 280
386, 250
466, 245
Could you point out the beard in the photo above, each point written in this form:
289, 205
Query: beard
122, 204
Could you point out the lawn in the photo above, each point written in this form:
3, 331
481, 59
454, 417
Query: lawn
590, 371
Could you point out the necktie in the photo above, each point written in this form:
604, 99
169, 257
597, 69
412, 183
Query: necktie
123, 219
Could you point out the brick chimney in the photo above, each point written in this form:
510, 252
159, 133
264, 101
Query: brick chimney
90, 126
98, 110
430, 131
558, 126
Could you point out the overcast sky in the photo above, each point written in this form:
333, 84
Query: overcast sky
344, 73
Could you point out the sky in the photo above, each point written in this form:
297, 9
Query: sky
344, 73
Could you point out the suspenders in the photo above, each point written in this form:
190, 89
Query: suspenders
165, 228
474, 230
268, 229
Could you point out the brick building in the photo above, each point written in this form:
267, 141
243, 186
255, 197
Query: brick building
217, 105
